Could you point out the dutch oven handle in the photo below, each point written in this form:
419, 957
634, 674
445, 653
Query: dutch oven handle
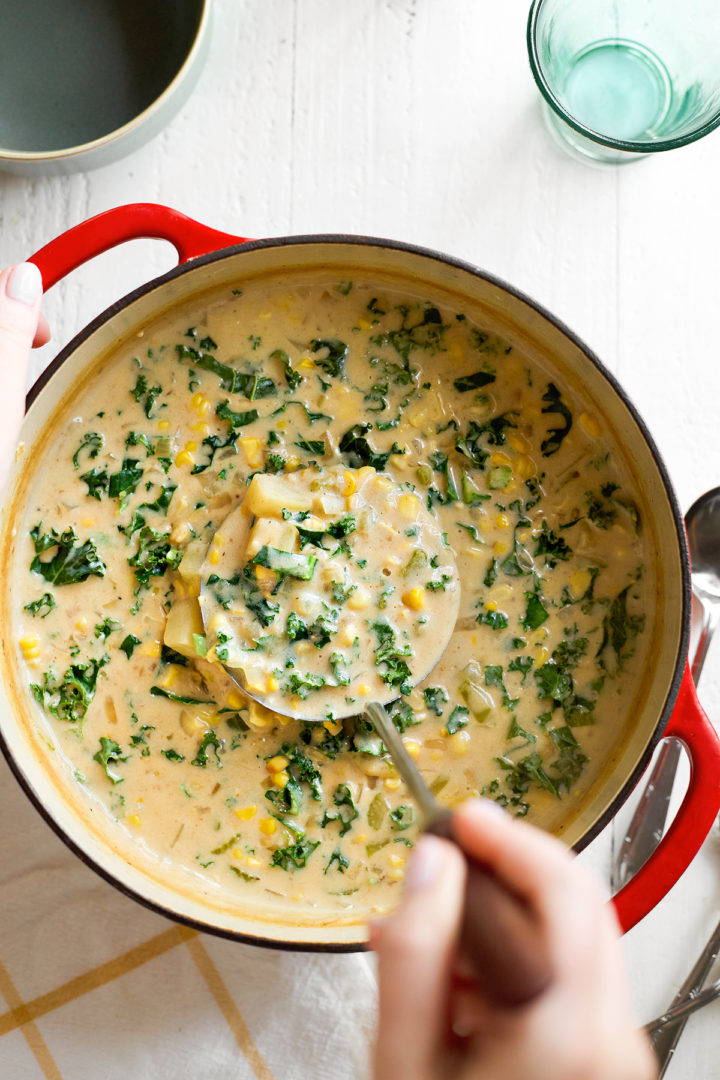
131, 222
694, 819
688, 722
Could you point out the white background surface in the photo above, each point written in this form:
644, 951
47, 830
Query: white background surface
419, 120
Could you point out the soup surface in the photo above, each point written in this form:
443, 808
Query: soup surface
338, 462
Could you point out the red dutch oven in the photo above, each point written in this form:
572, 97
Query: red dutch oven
664, 705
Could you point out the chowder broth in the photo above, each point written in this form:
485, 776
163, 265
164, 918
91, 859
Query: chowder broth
348, 383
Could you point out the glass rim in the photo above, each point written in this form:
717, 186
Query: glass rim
629, 145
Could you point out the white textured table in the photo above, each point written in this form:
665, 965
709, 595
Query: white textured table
419, 121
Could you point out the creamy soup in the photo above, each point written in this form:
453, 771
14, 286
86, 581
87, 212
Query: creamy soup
335, 464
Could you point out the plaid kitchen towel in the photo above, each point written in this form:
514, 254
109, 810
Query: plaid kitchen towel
95, 987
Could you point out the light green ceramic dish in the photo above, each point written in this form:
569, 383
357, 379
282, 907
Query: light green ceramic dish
85, 82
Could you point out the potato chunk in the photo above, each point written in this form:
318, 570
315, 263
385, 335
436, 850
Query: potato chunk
269, 495
183, 621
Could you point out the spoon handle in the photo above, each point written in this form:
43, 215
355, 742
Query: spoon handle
499, 934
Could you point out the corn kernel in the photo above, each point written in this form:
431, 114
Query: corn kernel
396, 860
359, 838
272, 683
580, 583
29, 641
214, 557
170, 676
502, 521
414, 598
88, 522
264, 574
413, 748
350, 483
251, 450
490, 605
359, 599
363, 689
152, 649
542, 656
81, 623
383, 483
392, 783
268, 826
306, 363
499, 548
459, 742
234, 700
590, 425
252, 861
396, 874
524, 466
498, 458
333, 726
280, 779
200, 403
409, 505
184, 458
239, 854
163, 425
135, 821
191, 447
363, 324
292, 463
201, 428
277, 763
518, 442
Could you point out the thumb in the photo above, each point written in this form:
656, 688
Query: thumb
415, 949
20, 294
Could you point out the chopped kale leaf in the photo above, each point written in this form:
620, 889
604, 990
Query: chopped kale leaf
72, 562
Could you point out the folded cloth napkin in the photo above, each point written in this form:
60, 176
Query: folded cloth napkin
92, 985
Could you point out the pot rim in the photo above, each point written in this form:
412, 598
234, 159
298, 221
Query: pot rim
426, 253
65, 153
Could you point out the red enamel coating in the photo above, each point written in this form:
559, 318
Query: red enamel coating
688, 721
694, 819
131, 222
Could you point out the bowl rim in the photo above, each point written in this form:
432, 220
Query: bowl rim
30, 157
674, 683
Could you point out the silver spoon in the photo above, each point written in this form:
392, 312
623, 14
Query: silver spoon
645, 831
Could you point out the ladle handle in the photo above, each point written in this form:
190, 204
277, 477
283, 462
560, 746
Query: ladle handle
499, 936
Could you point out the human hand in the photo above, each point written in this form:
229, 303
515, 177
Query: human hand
21, 327
435, 1024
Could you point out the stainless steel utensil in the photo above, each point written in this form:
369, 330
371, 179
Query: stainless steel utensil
645, 831
236, 528
665, 1030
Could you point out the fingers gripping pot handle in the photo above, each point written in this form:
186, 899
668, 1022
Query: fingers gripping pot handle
131, 222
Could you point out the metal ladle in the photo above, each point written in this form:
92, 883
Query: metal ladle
499, 935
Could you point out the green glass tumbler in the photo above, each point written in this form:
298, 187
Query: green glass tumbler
624, 78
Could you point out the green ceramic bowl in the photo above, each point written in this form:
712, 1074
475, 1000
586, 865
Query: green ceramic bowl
84, 82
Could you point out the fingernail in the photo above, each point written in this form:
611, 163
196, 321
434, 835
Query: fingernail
425, 863
24, 283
